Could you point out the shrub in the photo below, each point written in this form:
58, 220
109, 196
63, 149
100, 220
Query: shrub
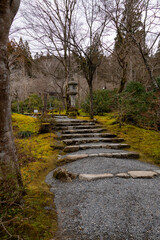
137, 106
103, 102
24, 134
28, 105
58, 105
32, 102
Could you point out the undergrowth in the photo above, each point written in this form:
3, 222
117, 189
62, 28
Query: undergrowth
34, 218
144, 141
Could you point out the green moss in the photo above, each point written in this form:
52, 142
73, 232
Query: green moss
32, 219
25, 123
144, 141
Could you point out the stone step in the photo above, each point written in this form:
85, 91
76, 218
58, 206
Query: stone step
127, 155
92, 140
80, 131
78, 127
76, 123
130, 174
87, 135
75, 148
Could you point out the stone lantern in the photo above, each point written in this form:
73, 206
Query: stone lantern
72, 91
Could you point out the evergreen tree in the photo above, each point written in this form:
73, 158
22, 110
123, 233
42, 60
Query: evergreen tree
130, 24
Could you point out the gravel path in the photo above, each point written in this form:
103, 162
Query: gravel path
107, 209
107, 165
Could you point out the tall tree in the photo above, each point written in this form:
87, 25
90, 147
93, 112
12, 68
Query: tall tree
87, 42
9, 169
124, 15
51, 23
136, 25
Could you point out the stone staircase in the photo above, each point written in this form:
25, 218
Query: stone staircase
89, 139
84, 135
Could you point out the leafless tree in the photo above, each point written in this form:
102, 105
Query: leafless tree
9, 169
50, 24
136, 26
87, 44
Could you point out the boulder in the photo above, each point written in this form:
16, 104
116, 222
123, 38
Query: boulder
63, 175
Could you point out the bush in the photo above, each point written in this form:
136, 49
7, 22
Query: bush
24, 134
58, 105
137, 106
32, 102
28, 105
103, 102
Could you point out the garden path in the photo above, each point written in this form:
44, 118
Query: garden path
114, 197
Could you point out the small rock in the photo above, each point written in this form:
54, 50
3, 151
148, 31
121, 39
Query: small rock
89, 177
142, 174
122, 175
63, 175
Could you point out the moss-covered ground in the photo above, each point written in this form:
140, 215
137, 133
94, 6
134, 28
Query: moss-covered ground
35, 217
144, 141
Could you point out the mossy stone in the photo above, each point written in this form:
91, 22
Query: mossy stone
63, 175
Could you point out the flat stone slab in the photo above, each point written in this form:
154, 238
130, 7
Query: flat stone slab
87, 135
75, 157
128, 155
81, 126
95, 130
122, 175
142, 174
74, 148
76, 123
90, 177
93, 140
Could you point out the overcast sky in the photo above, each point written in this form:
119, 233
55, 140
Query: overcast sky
15, 33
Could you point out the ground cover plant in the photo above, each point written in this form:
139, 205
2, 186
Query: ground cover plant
144, 141
134, 105
35, 216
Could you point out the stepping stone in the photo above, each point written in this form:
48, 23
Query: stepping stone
89, 135
89, 140
90, 177
75, 157
75, 148
76, 123
78, 127
123, 175
96, 130
128, 155
142, 174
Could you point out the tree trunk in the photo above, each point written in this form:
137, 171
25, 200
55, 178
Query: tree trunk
147, 65
18, 106
9, 170
45, 97
91, 100
124, 78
